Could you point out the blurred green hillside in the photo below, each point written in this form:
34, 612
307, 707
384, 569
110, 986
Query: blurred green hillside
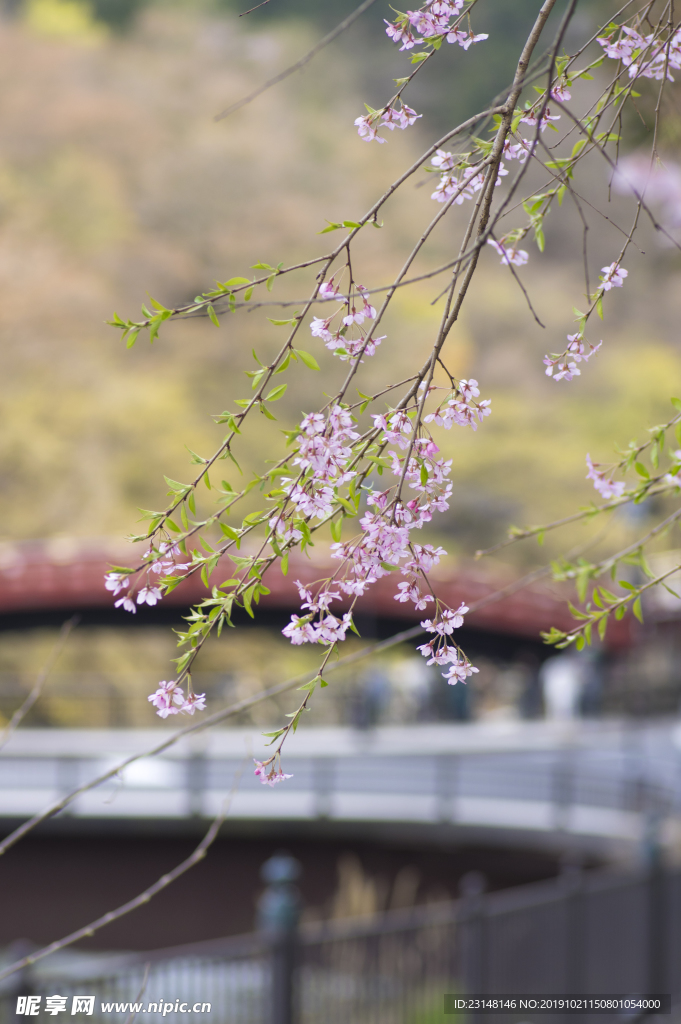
116, 183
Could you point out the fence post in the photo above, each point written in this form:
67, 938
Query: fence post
652, 856
572, 880
475, 968
278, 917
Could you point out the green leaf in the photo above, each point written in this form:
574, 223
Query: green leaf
212, 314
349, 508
265, 411
276, 393
282, 323
275, 735
331, 226
284, 565
196, 459
307, 359
131, 337
176, 487
229, 531
676, 402
641, 470
234, 281
637, 610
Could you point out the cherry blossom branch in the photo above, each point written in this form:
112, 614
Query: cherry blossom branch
327, 471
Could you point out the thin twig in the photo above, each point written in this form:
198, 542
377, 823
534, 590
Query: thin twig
329, 38
131, 1017
139, 901
254, 8
22, 711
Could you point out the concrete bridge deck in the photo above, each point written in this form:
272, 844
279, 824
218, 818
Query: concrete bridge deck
597, 783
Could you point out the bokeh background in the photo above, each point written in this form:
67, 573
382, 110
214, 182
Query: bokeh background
116, 183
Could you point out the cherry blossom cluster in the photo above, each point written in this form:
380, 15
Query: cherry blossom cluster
269, 775
432, 21
509, 253
535, 116
385, 543
338, 341
565, 365
150, 593
369, 123
439, 651
605, 486
458, 178
324, 450
169, 699
461, 408
645, 56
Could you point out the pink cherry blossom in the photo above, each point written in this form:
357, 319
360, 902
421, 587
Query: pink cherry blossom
166, 697
613, 276
193, 702
459, 672
300, 631
149, 595
328, 291
509, 254
320, 328
561, 91
127, 603
116, 582
607, 488
366, 128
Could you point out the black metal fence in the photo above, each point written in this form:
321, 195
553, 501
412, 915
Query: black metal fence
595, 933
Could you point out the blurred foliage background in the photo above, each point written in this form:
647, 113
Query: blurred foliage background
116, 183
